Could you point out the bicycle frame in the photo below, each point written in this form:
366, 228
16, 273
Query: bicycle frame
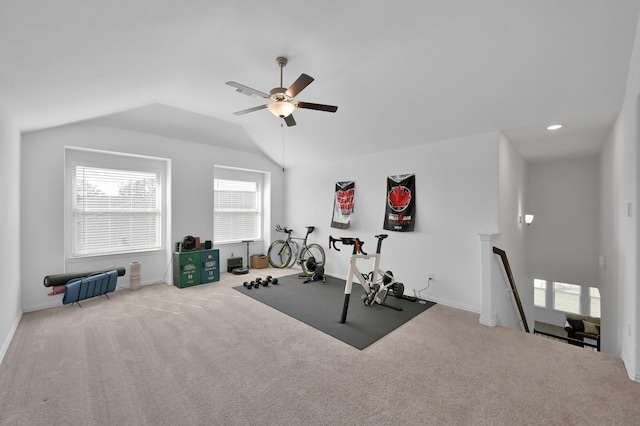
297, 251
286, 252
295, 247
375, 284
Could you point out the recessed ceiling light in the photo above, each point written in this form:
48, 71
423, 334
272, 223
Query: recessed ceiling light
554, 127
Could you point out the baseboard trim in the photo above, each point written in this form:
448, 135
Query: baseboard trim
489, 323
437, 300
47, 305
57, 299
451, 304
7, 342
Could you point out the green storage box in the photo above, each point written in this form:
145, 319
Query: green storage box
186, 269
210, 266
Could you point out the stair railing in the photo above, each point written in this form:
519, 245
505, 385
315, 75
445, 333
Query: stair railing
512, 282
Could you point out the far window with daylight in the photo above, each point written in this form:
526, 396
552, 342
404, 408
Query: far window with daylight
594, 302
566, 297
539, 293
237, 210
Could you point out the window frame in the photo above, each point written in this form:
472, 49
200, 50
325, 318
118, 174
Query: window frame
241, 175
556, 292
591, 297
584, 297
540, 285
75, 157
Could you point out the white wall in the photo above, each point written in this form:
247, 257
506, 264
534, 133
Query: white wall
10, 310
619, 279
611, 291
191, 184
620, 225
563, 239
513, 204
631, 114
456, 198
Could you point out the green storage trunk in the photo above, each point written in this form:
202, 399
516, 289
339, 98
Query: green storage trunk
186, 269
210, 261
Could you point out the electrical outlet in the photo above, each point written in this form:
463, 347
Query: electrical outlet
431, 276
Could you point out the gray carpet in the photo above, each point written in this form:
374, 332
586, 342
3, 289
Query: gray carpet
208, 355
320, 306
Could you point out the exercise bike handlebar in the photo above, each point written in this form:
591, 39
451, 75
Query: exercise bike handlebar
347, 241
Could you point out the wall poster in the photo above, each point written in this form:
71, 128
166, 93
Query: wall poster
401, 203
343, 204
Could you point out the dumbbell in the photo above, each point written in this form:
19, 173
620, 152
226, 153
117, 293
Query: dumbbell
256, 285
271, 280
248, 285
265, 283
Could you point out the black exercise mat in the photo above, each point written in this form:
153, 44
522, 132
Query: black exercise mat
320, 306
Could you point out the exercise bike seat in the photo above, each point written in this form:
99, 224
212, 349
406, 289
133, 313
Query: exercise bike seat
382, 236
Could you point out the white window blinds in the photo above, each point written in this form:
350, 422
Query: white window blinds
115, 211
236, 210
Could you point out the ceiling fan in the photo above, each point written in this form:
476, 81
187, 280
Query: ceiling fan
282, 104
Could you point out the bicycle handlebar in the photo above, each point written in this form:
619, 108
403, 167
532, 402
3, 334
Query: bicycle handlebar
310, 229
347, 241
281, 229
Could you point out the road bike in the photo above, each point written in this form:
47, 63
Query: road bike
285, 253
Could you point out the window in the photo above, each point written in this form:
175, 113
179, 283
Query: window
540, 293
115, 204
566, 297
236, 210
594, 302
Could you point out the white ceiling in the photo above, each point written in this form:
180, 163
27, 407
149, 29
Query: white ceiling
401, 74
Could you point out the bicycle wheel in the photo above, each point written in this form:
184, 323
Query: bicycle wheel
295, 248
279, 254
311, 258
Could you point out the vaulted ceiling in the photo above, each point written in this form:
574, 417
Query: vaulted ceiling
401, 73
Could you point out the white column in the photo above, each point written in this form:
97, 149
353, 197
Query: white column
487, 313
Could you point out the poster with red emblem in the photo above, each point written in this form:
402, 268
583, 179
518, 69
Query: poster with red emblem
343, 204
401, 203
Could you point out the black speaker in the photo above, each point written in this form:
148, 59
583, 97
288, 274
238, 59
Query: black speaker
208, 245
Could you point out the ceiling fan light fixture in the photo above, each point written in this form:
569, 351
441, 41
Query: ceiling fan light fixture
281, 109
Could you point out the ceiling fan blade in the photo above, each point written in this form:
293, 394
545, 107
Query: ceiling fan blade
246, 111
303, 81
245, 90
289, 120
318, 107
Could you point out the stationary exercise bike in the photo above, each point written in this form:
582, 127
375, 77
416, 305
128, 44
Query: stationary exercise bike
376, 284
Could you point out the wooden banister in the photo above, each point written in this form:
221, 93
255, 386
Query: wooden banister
512, 282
